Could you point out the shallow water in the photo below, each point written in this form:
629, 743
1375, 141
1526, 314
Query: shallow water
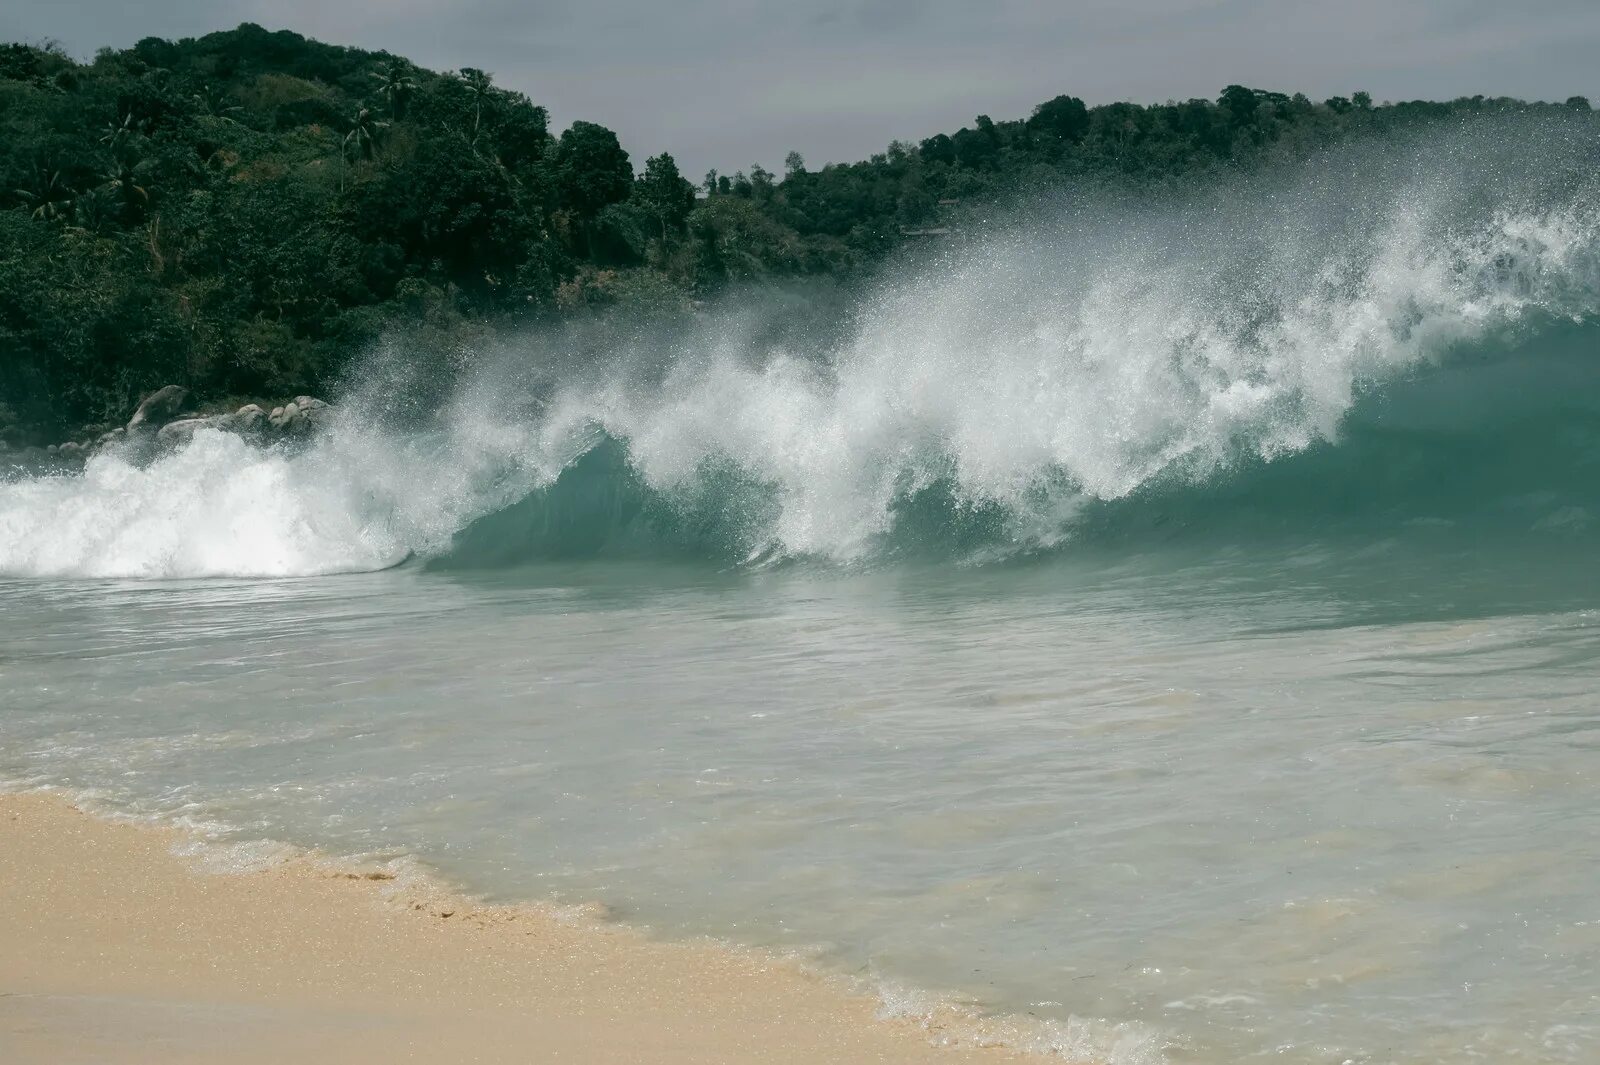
1323, 817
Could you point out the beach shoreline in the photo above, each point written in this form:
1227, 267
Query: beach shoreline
119, 947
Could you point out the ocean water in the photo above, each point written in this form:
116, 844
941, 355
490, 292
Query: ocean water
1171, 632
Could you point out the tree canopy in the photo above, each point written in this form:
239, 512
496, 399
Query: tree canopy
246, 212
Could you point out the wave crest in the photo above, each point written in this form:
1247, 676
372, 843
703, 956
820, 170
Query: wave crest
1089, 377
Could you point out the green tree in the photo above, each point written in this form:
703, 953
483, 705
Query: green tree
761, 182
480, 89
118, 135
396, 84
939, 148
591, 169
520, 130
122, 179
1065, 117
213, 102
50, 198
666, 193
1240, 104
362, 140
976, 147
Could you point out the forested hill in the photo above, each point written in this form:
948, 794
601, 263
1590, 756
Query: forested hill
245, 212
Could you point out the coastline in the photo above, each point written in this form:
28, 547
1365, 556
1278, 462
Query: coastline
119, 948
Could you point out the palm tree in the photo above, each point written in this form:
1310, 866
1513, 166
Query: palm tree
214, 102
117, 134
396, 84
91, 211
480, 86
51, 197
363, 135
122, 178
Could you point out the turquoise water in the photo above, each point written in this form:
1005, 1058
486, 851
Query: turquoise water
1313, 818
1175, 631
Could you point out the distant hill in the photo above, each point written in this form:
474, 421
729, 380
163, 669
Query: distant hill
244, 212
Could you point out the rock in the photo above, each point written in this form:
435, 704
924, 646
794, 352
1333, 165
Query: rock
158, 424
285, 418
247, 419
183, 430
159, 407
177, 432
70, 449
315, 415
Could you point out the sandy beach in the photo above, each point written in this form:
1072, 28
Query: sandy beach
118, 950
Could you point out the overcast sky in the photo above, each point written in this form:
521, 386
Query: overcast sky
728, 82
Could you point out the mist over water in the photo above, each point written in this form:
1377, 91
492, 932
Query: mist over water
1168, 627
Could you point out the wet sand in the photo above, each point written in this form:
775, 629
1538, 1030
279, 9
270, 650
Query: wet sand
116, 949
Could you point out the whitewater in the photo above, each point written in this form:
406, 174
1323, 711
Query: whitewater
1166, 630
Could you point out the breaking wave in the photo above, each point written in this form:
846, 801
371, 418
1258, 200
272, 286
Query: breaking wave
1390, 336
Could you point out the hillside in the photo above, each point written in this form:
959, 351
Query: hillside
245, 212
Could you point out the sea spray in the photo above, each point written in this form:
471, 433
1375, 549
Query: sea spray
1092, 366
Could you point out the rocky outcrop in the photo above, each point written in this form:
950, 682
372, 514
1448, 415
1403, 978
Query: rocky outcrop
298, 418
183, 430
162, 421
246, 421
285, 418
303, 414
159, 407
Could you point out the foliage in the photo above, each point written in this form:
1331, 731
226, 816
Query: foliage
246, 212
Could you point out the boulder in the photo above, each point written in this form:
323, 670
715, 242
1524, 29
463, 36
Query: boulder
158, 422
183, 430
159, 407
247, 420
286, 418
315, 415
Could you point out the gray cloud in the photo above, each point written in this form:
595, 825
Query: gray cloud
725, 83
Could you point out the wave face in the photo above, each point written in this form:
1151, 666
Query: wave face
1388, 336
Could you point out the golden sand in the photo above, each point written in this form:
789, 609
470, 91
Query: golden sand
114, 949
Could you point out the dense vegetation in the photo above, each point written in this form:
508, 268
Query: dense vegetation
244, 212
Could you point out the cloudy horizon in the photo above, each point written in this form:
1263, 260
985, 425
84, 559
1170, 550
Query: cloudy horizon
724, 84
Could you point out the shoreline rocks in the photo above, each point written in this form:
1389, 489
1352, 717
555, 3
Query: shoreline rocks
165, 419
159, 407
298, 418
